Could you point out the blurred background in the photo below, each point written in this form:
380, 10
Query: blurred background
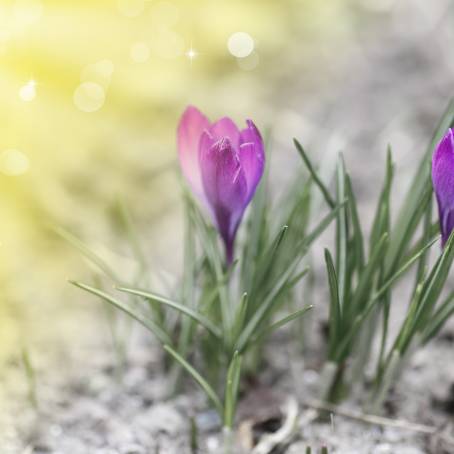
91, 92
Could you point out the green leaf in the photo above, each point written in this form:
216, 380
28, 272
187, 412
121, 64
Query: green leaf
143, 320
445, 311
314, 175
87, 252
196, 316
358, 241
231, 389
343, 346
381, 222
271, 299
341, 234
209, 391
283, 321
240, 316
319, 229
366, 281
268, 259
421, 181
335, 308
434, 283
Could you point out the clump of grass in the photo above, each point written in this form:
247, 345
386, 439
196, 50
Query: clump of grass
361, 274
217, 325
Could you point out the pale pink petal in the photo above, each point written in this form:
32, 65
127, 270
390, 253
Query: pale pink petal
192, 124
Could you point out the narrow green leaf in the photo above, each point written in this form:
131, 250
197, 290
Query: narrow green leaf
335, 309
409, 262
240, 316
283, 321
358, 240
196, 316
87, 252
443, 313
420, 182
434, 284
341, 234
269, 256
342, 349
381, 222
321, 226
143, 320
314, 175
264, 307
231, 389
209, 391
365, 282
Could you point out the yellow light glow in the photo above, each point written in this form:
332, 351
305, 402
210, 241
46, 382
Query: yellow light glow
13, 162
191, 54
131, 8
89, 97
139, 52
28, 91
27, 12
250, 62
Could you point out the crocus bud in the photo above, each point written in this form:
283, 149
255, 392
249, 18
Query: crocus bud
443, 183
223, 165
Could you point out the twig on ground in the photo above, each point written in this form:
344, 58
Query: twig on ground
284, 434
431, 431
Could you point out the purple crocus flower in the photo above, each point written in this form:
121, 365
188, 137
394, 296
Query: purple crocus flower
223, 166
443, 183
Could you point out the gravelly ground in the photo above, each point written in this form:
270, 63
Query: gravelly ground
389, 85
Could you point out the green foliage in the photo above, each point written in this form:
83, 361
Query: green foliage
221, 317
361, 276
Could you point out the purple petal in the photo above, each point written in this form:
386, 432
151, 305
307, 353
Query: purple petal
443, 183
251, 134
225, 186
225, 127
192, 124
252, 156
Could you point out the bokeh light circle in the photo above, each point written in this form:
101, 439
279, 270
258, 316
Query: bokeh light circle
13, 162
240, 44
89, 97
28, 91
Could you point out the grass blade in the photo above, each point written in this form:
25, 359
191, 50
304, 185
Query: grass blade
335, 308
209, 391
276, 325
143, 320
196, 316
87, 252
314, 175
231, 389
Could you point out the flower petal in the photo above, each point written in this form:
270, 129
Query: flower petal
225, 127
225, 186
192, 124
251, 134
443, 182
252, 157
